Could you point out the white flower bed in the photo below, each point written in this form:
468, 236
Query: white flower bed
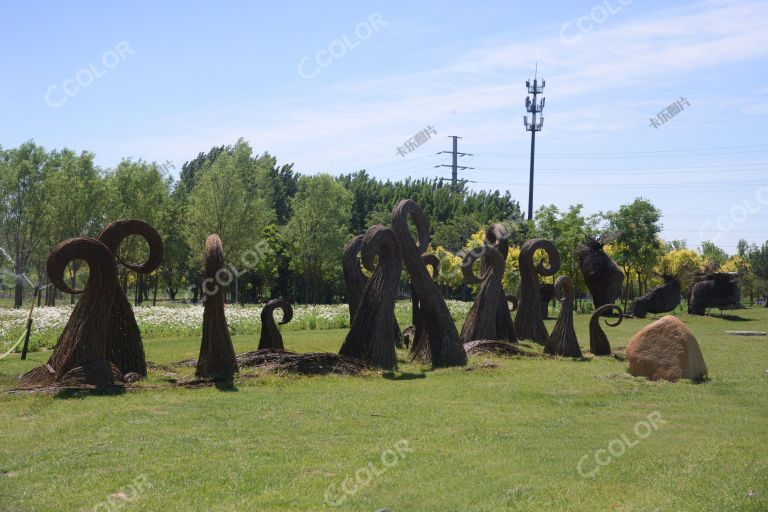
186, 320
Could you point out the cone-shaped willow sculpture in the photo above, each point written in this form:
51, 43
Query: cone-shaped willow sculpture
562, 341
444, 346
480, 323
126, 349
217, 355
498, 236
270, 334
370, 337
529, 323
355, 281
84, 342
598, 341
420, 347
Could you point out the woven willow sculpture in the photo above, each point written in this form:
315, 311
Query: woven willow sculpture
529, 322
562, 341
481, 320
101, 342
602, 275
498, 236
217, 355
443, 338
83, 342
270, 335
370, 337
661, 299
127, 351
598, 341
355, 281
420, 350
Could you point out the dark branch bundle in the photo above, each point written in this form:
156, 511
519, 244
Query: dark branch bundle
529, 322
480, 323
443, 338
370, 337
420, 345
270, 335
661, 299
598, 341
562, 341
498, 237
602, 275
355, 281
217, 355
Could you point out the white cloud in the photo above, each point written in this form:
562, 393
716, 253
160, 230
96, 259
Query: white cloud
358, 124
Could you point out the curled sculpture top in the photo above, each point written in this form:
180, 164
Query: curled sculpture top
379, 241
498, 236
267, 312
526, 257
565, 291
489, 254
114, 234
101, 263
404, 210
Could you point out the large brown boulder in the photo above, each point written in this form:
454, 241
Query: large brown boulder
666, 349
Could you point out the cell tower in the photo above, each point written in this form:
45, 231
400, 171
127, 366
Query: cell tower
533, 107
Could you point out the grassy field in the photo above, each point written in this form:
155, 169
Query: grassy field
519, 436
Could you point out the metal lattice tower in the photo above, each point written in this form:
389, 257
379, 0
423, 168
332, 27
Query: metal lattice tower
533, 107
455, 162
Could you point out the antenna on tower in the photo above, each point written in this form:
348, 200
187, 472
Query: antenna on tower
533, 107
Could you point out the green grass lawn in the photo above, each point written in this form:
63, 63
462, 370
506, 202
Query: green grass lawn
495, 438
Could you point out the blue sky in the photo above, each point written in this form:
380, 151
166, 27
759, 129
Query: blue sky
336, 88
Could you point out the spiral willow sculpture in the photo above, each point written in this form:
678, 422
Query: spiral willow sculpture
498, 236
217, 355
598, 341
529, 322
126, 349
355, 281
370, 337
443, 338
84, 341
420, 347
101, 343
270, 335
562, 341
481, 321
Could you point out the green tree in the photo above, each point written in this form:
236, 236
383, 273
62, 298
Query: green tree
637, 248
137, 190
567, 231
223, 202
758, 261
76, 201
713, 255
23, 212
318, 229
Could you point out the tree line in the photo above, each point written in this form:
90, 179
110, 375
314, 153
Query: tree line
283, 232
